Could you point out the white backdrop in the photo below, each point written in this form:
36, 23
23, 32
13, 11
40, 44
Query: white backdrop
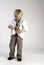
33, 14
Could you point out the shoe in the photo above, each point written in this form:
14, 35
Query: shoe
19, 59
10, 58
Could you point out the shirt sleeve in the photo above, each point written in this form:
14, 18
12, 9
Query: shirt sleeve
12, 23
25, 25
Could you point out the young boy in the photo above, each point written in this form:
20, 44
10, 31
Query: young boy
18, 28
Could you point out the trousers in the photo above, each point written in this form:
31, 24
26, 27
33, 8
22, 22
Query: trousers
13, 41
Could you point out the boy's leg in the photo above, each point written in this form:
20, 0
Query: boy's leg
19, 48
12, 46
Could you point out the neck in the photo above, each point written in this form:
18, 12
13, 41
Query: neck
16, 20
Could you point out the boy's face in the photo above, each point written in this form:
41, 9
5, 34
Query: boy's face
17, 18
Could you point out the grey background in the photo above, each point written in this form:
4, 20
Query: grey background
34, 16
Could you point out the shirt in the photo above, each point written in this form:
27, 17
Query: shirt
23, 25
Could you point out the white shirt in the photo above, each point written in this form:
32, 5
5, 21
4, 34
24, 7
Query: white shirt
23, 25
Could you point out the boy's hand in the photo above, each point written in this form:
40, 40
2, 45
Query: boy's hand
18, 31
10, 27
21, 31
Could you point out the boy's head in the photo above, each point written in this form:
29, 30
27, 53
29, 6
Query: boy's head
18, 14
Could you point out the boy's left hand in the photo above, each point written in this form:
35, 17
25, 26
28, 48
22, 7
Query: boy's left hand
21, 31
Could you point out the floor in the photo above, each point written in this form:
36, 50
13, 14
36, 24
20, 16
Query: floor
29, 58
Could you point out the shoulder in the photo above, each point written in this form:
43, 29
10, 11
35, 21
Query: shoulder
13, 21
23, 21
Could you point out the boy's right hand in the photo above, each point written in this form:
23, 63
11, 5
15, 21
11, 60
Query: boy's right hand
10, 27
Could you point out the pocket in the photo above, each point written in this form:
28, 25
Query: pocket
20, 37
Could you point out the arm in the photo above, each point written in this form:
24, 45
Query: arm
11, 24
25, 27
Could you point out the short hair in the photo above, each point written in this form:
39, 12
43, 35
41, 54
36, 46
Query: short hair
18, 12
